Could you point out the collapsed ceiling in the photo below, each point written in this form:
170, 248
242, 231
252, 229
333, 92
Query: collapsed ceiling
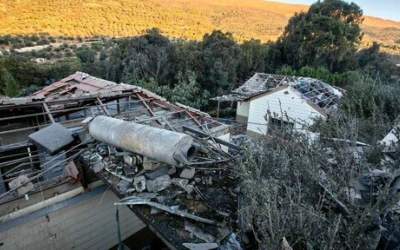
166, 161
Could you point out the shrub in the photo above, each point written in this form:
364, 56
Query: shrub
306, 193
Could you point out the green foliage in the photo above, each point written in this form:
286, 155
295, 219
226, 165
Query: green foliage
322, 73
220, 57
367, 96
8, 85
327, 35
27, 73
300, 191
371, 105
253, 58
191, 72
189, 92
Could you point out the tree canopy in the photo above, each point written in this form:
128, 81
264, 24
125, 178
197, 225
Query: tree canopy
327, 35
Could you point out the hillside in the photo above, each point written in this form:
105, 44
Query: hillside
188, 19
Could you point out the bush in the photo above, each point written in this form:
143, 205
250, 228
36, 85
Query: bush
306, 193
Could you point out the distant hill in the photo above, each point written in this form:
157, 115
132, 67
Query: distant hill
188, 19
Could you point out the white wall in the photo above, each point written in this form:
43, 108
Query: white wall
227, 138
243, 109
281, 104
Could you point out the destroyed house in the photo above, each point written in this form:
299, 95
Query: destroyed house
267, 101
168, 161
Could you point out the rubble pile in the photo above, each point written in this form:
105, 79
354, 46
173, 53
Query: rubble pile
192, 206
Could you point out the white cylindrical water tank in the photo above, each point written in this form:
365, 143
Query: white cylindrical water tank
159, 144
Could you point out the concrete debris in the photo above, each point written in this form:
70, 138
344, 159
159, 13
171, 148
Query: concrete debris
370, 185
129, 160
285, 245
188, 173
158, 184
149, 164
180, 182
157, 173
159, 144
97, 163
184, 184
232, 243
123, 186
139, 183
130, 150
200, 246
53, 138
172, 170
197, 232
24, 184
71, 170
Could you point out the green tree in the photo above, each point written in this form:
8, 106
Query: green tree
220, 56
8, 85
188, 92
252, 59
327, 35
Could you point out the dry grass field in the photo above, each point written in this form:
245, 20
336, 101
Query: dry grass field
187, 19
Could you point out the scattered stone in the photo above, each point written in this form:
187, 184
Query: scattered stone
197, 179
180, 182
200, 246
184, 184
172, 170
188, 173
98, 164
139, 183
158, 184
71, 171
157, 173
189, 189
123, 186
149, 164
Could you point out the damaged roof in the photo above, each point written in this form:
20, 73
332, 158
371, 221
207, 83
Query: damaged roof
176, 202
79, 84
314, 90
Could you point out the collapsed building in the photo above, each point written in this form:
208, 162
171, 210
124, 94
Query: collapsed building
267, 101
168, 163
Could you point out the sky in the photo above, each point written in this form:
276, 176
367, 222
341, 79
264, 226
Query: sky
388, 9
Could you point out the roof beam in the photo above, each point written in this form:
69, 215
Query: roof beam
46, 108
103, 107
